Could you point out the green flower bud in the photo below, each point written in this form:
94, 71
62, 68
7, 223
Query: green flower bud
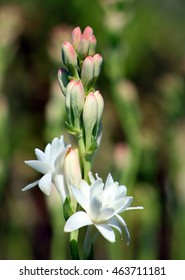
74, 102
90, 117
87, 73
63, 80
77, 97
69, 58
98, 60
68, 101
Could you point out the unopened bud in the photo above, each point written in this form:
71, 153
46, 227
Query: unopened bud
92, 45
90, 116
88, 31
98, 60
69, 57
72, 173
74, 102
63, 80
87, 74
76, 37
68, 101
100, 102
77, 101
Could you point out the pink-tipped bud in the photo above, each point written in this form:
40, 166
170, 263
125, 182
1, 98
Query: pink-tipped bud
87, 73
83, 47
90, 117
98, 60
63, 80
69, 57
88, 32
92, 45
76, 37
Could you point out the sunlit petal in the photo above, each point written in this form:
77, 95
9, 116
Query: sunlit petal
30, 186
76, 221
106, 231
38, 165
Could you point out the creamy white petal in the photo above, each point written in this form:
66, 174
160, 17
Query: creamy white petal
30, 186
47, 151
106, 231
38, 165
45, 184
76, 221
81, 199
122, 191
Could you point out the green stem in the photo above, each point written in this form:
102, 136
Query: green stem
86, 162
74, 245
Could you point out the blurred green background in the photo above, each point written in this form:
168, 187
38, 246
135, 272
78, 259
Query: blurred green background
143, 145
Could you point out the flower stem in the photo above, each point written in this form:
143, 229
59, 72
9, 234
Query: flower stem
74, 245
86, 162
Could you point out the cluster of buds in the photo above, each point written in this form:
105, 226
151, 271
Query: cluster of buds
77, 77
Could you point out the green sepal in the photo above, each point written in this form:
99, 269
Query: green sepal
92, 149
67, 209
71, 129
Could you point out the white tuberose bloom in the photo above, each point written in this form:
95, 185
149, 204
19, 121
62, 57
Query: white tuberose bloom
49, 163
102, 204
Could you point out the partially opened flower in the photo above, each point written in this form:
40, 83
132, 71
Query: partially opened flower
102, 204
49, 164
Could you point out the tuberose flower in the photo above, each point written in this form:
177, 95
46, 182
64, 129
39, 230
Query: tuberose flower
49, 163
102, 204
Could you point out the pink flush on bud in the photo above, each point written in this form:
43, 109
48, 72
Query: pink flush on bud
76, 37
69, 56
88, 32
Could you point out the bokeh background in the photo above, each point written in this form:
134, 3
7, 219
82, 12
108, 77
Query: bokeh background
143, 145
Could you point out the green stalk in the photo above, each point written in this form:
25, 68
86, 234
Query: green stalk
74, 245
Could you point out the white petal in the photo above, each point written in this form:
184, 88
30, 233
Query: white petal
121, 220
47, 152
95, 208
58, 181
104, 215
109, 180
81, 199
97, 189
106, 231
45, 184
59, 161
40, 155
134, 208
114, 223
77, 220
91, 178
56, 148
126, 204
38, 165
30, 186
122, 191
85, 189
